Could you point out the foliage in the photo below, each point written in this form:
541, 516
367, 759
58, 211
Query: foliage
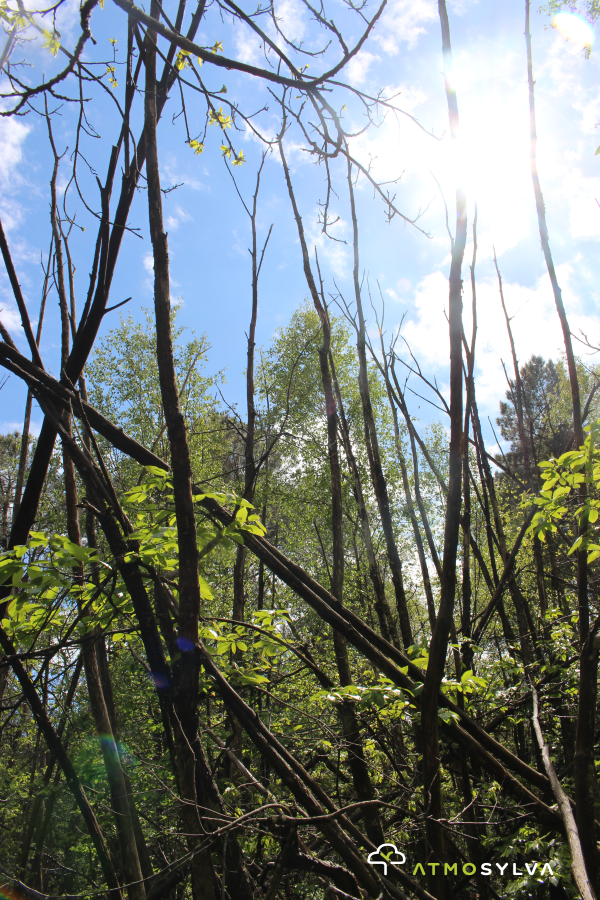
571, 487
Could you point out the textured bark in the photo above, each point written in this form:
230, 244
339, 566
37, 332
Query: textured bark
186, 732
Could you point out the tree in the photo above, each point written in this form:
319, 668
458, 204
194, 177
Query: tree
243, 651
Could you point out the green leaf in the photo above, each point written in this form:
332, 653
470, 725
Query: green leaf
52, 42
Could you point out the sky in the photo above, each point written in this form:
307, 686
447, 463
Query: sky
209, 232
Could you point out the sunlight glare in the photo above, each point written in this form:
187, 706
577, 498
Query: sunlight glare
574, 28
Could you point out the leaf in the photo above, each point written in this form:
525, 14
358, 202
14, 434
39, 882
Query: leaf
446, 715
253, 679
205, 591
181, 60
154, 470
197, 147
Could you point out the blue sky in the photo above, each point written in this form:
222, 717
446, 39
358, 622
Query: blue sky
209, 231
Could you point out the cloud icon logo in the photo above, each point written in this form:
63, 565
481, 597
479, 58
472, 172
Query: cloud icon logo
390, 854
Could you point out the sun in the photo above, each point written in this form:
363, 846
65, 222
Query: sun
574, 28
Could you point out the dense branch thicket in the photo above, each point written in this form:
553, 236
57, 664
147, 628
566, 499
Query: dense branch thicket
240, 651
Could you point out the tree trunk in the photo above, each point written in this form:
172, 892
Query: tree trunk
439, 640
377, 476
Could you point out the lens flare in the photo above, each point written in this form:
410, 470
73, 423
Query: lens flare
574, 28
185, 644
161, 682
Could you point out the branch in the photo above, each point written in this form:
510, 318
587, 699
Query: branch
564, 805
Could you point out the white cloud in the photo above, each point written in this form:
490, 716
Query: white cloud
67, 22
149, 263
334, 253
248, 46
35, 426
10, 318
581, 195
534, 322
177, 170
403, 22
178, 216
357, 69
13, 132
460, 7
291, 21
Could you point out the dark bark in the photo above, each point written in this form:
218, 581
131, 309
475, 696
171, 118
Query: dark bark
307, 791
65, 398
16, 288
28, 404
186, 734
250, 469
106, 253
439, 640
